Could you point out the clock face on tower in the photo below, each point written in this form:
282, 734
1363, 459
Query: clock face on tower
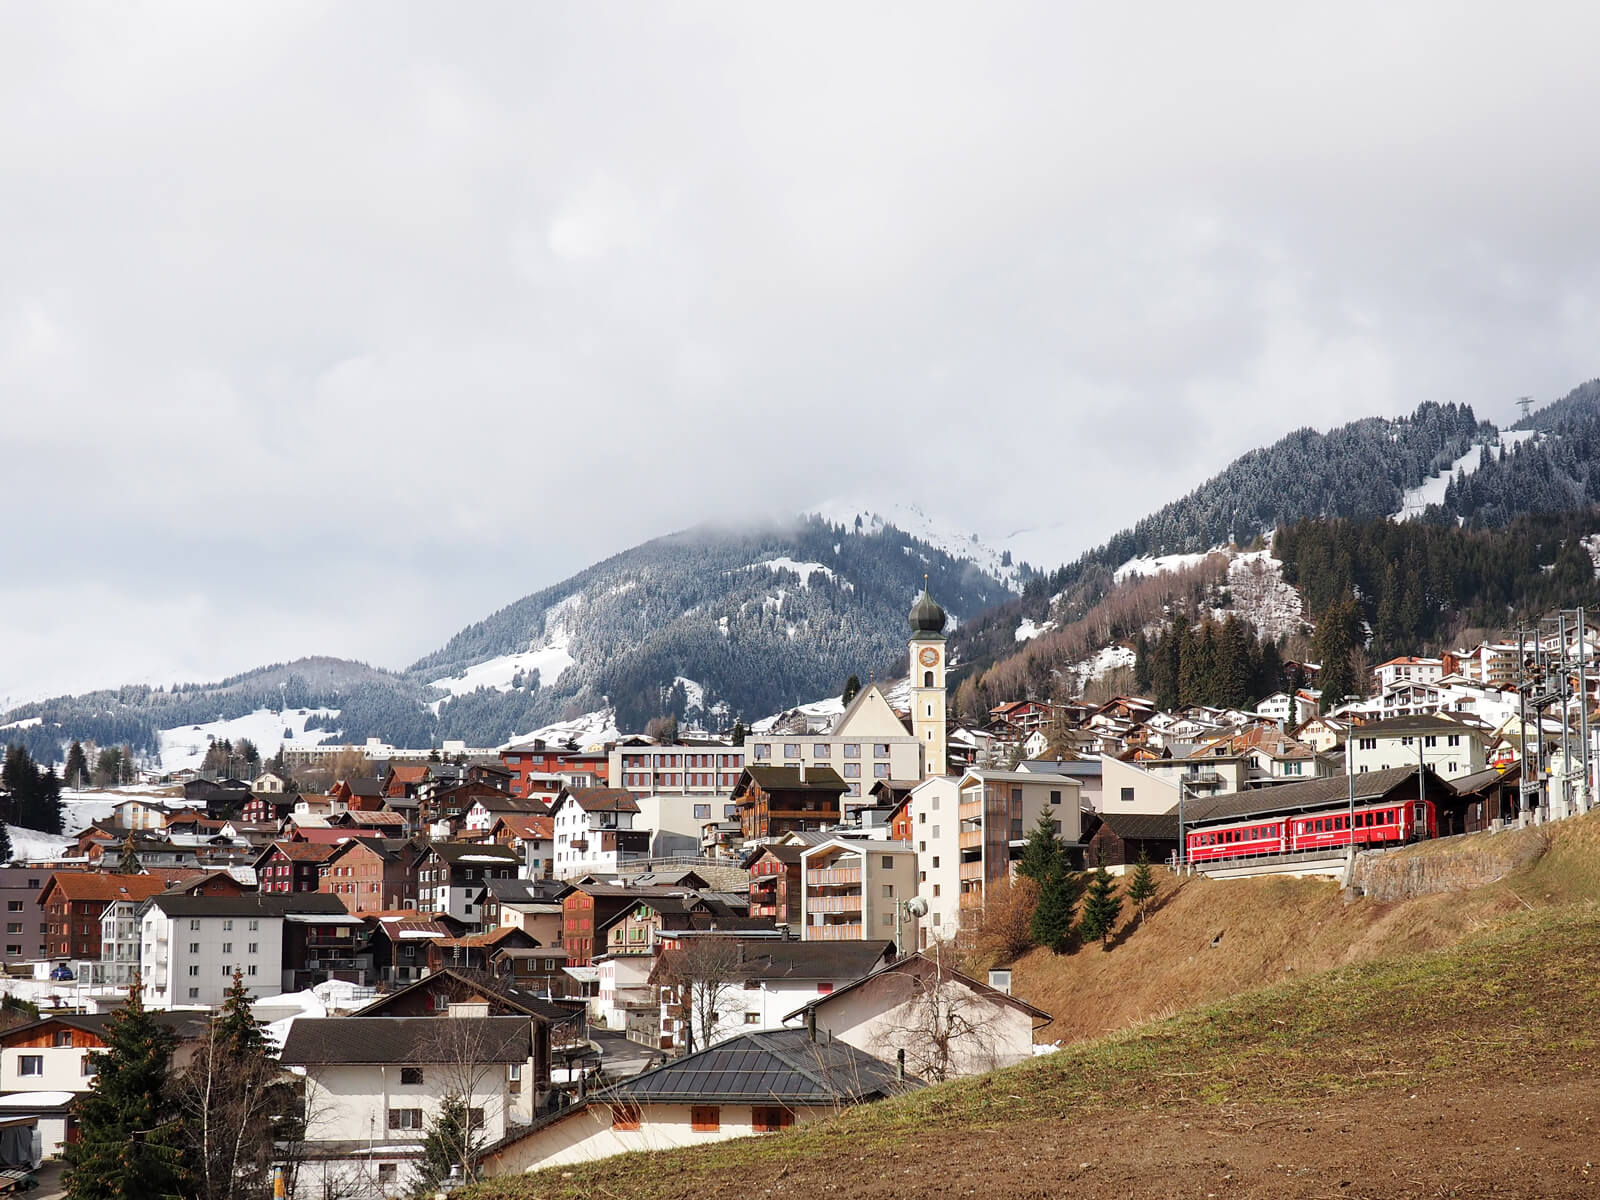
928, 656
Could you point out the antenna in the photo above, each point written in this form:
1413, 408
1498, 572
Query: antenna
1526, 402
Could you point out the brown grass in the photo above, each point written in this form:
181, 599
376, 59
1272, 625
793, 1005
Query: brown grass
1210, 939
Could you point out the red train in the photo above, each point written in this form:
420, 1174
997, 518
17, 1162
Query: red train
1375, 825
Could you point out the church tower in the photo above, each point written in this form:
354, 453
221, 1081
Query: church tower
927, 683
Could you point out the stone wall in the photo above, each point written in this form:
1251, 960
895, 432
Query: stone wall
1456, 864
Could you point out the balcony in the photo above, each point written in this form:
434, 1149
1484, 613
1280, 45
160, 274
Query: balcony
971, 871
971, 839
834, 904
971, 900
834, 877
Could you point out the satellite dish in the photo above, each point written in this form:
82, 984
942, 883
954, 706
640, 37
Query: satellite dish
917, 906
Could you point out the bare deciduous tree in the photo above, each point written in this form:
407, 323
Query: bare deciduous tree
706, 979
946, 1027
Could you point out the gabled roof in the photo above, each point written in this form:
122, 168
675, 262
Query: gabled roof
485, 853
524, 826
300, 852
917, 967
315, 1041
1144, 827
1432, 723
500, 995
186, 1024
250, 904
779, 1066
1298, 797
788, 779
506, 804
105, 888
1468, 785
802, 962
598, 799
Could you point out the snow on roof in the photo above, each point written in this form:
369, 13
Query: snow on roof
37, 1099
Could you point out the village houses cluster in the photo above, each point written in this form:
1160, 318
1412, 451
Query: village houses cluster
559, 934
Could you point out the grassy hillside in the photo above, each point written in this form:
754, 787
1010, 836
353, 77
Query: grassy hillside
1461, 1070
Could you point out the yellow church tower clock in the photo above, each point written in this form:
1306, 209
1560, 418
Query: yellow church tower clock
927, 683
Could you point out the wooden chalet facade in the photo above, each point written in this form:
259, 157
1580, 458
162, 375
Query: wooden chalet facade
772, 801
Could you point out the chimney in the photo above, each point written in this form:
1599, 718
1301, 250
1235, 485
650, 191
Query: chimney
900, 1065
811, 1023
802, 770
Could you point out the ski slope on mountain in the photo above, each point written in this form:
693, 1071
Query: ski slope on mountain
184, 748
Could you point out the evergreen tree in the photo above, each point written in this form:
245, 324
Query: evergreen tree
236, 1020
1043, 856
851, 687
76, 774
1101, 904
738, 733
1051, 926
127, 1148
5, 843
448, 1141
1142, 887
1142, 679
128, 863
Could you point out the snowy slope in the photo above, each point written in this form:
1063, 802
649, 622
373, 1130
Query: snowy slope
941, 535
1431, 491
184, 748
589, 729
550, 654
1146, 565
29, 845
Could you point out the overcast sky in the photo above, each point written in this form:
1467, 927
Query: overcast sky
332, 328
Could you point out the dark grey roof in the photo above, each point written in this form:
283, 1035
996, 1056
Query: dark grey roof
782, 1065
502, 995
1073, 768
1468, 785
1142, 826
364, 787
183, 1024
919, 966
523, 891
410, 1040
765, 958
453, 852
1425, 723
250, 904
1298, 797
787, 779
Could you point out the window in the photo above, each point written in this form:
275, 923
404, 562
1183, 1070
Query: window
752, 1018
388, 1173
1370, 743
770, 1119
1055, 797
255, 925
888, 862
227, 947
880, 770
475, 1118
30, 1064
194, 947
251, 969
195, 969
852, 770
1127, 795
194, 993
625, 1117
702, 812
888, 891
763, 750
13, 905
405, 1118
790, 750
821, 750
936, 862
13, 926
411, 1076
255, 947
936, 889
880, 750
852, 749
63, 1038
91, 1064
194, 925
227, 926
705, 1118
888, 919
936, 831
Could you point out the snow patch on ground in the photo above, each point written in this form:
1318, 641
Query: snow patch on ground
184, 747
1260, 595
26, 723
30, 845
550, 654
590, 729
1030, 629
803, 569
1112, 658
1157, 564
820, 715
1431, 490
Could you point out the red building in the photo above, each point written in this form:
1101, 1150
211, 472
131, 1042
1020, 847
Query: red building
73, 902
291, 866
537, 758
775, 884
369, 874
777, 800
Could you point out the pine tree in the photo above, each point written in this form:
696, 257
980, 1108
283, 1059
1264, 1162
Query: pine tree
5, 843
77, 770
851, 687
1051, 926
738, 733
1142, 887
1101, 904
1043, 857
127, 1145
236, 1020
128, 863
448, 1141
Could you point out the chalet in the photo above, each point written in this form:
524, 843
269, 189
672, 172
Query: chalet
375, 1084
273, 807
371, 821
754, 1083
557, 1023
46, 1065
775, 884
532, 905
371, 873
1489, 799
775, 800
1270, 755
532, 837
485, 809
290, 866
594, 830
449, 805
358, 794
403, 780
398, 941
591, 906
452, 876
904, 1007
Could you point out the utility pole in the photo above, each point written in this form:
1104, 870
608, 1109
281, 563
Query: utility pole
1522, 726
1583, 711
1183, 844
1566, 724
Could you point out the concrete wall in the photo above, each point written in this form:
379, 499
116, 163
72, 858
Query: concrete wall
352, 1102
889, 1015
1457, 865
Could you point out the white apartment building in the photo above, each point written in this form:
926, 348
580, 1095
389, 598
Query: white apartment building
868, 742
1450, 748
856, 890
119, 947
190, 947
452, 876
706, 767
1407, 670
675, 822
1129, 788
